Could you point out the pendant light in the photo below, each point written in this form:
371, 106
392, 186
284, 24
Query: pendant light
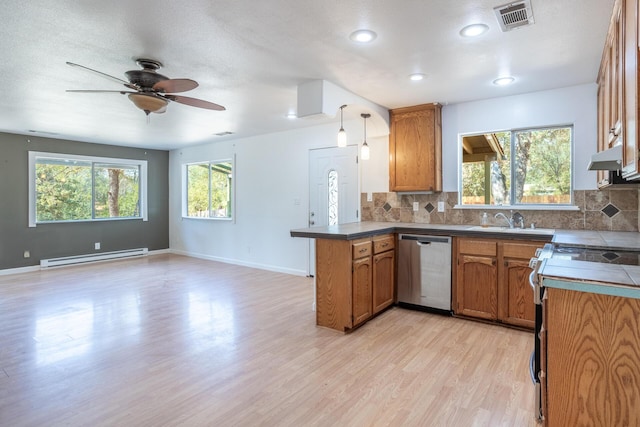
364, 154
342, 135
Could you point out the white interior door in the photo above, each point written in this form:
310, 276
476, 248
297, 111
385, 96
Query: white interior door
333, 190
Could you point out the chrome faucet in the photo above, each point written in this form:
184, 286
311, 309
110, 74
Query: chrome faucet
514, 219
503, 216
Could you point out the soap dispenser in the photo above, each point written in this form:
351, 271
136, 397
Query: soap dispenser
484, 220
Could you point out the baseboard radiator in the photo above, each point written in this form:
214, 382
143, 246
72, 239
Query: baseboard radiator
100, 256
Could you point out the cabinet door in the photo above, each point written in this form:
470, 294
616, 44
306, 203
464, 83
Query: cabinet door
415, 149
361, 288
593, 359
383, 278
516, 305
477, 284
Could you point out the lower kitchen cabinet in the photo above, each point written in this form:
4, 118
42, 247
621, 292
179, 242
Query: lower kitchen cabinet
590, 373
362, 290
384, 261
492, 280
354, 280
477, 278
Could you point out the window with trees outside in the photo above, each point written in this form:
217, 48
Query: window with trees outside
517, 167
209, 190
65, 187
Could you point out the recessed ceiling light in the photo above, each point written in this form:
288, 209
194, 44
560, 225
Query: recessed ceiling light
292, 116
363, 36
474, 30
503, 81
417, 77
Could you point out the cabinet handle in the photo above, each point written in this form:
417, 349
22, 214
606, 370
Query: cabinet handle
384, 245
363, 250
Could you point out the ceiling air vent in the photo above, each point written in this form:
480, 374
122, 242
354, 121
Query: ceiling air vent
514, 15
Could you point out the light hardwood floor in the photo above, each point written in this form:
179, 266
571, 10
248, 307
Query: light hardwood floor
169, 340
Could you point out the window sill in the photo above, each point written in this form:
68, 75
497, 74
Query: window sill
520, 207
206, 218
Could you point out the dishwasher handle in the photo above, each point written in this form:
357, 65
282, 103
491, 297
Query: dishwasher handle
424, 239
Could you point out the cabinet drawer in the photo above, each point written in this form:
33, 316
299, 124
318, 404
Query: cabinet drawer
520, 250
478, 247
361, 249
383, 243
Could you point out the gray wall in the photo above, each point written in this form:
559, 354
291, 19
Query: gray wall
56, 240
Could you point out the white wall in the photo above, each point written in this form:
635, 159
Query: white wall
271, 177
272, 172
572, 105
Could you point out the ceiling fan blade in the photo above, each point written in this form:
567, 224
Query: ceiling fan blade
99, 91
195, 102
116, 79
175, 85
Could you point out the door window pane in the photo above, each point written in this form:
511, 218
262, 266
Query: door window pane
333, 197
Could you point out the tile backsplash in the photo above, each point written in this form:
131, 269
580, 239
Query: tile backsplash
614, 209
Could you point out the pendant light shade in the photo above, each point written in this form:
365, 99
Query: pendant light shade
364, 153
342, 135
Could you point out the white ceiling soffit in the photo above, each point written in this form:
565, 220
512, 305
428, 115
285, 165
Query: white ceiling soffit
514, 15
321, 99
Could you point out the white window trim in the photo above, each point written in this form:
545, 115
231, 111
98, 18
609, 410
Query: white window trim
33, 155
185, 195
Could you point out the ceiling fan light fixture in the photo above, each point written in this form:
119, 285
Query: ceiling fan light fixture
148, 103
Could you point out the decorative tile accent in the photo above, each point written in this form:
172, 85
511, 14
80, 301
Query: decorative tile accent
387, 207
429, 207
610, 255
610, 210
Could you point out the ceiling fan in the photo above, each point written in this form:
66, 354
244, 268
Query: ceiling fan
151, 91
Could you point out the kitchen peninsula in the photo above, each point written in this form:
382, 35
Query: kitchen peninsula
590, 338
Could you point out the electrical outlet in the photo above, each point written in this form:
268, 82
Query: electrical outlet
97, 245
440, 206
416, 206
27, 254
369, 197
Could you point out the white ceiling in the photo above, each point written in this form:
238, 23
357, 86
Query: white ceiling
250, 55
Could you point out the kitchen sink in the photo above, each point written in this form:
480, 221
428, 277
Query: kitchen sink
494, 229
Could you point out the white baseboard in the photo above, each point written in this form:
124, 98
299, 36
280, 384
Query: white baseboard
241, 263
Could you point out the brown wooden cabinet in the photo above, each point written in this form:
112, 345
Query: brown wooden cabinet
415, 148
354, 280
590, 366
361, 281
515, 293
618, 90
492, 280
384, 261
477, 278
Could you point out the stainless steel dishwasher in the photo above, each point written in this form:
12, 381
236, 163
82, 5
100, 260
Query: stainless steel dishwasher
424, 272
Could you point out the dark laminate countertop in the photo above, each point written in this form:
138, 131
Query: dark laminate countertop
615, 279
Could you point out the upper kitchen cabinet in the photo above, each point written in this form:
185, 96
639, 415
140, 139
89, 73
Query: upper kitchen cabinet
618, 89
415, 149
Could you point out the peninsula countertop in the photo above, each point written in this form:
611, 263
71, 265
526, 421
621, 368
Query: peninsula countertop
614, 240
617, 279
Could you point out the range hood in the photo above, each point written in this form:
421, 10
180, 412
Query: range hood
608, 160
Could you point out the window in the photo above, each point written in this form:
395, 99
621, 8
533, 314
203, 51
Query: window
333, 197
66, 187
517, 167
209, 190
